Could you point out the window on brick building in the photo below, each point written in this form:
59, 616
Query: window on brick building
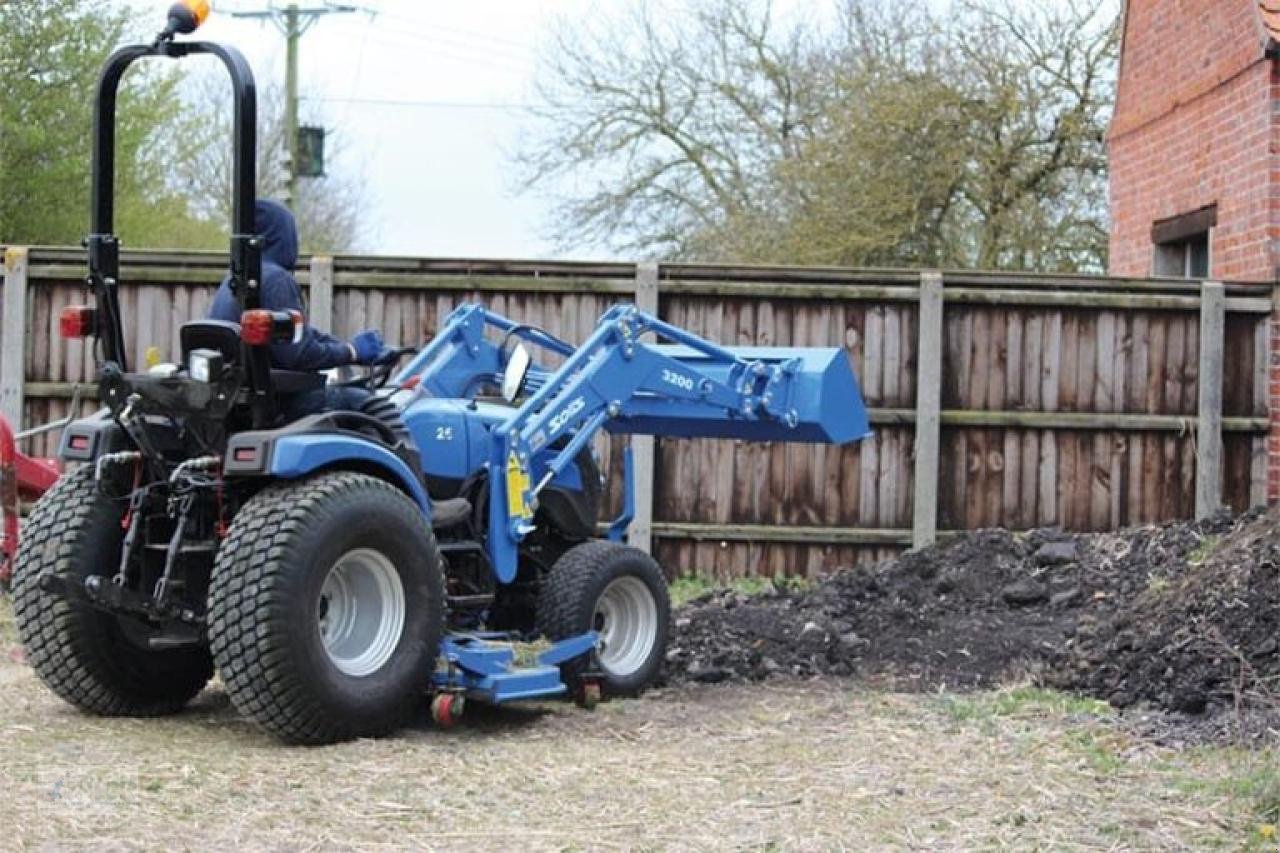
1187, 258
1182, 243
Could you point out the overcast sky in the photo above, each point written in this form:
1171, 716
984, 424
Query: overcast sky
427, 99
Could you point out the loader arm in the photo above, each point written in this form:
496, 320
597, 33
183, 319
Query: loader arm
615, 381
459, 359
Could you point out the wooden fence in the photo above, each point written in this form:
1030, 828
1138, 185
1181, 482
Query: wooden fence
997, 399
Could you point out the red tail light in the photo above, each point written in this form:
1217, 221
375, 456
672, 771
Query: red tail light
255, 327
77, 321
270, 327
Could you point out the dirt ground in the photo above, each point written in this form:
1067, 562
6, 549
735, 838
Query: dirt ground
782, 765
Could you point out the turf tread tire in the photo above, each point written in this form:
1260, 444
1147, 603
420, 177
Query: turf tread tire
566, 607
253, 629
78, 652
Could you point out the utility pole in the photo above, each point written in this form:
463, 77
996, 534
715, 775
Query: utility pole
293, 21
291, 36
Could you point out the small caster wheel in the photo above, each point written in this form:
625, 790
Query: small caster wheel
589, 695
446, 709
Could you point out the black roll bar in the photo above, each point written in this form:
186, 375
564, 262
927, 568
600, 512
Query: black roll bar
246, 246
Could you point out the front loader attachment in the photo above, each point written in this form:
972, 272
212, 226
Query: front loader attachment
688, 387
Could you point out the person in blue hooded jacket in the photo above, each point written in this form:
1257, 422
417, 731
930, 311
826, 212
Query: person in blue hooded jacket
279, 291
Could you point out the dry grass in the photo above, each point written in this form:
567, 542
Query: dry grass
797, 767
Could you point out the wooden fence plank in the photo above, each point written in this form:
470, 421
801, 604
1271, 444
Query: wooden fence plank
780, 533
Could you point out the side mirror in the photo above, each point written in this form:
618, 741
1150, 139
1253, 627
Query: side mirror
516, 372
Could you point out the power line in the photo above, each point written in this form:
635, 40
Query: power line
477, 34
521, 56
355, 79
422, 45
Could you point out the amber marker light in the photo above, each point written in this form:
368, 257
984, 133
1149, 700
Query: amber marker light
186, 16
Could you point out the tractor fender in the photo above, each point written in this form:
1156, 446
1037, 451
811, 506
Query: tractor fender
294, 456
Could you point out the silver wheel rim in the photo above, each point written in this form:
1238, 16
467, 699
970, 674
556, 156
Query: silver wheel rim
626, 619
361, 612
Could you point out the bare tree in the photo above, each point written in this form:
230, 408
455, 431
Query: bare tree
875, 179
1040, 78
669, 117
330, 210
972, 138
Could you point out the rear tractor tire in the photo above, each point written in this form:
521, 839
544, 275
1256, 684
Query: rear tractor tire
98, 662
619, 592
326, 608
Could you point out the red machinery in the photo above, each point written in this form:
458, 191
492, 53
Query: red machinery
22, 477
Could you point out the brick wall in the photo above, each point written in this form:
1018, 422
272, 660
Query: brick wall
1214, 150
1197, 123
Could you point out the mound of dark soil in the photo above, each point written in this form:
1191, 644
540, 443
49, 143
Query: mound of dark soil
1207, 634
961, 615
1139, 615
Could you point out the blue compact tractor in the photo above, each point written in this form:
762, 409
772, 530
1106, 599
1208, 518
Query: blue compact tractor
338, 569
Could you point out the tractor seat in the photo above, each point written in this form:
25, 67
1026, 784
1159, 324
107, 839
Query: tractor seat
224, 338
217, 335
450, 513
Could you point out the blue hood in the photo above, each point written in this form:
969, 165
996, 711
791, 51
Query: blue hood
280, 292
279, 233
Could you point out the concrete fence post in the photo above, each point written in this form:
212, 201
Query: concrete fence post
924, 521
321, 296
1209, 423
640, 534
13, 334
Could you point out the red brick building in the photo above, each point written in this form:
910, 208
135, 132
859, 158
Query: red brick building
1195, 183
1192, 140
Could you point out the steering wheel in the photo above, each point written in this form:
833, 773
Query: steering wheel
379, 373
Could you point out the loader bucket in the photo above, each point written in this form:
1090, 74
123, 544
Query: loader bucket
815, 399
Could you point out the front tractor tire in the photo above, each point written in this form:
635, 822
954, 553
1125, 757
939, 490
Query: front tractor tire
98, 662
619, 592
326, 608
